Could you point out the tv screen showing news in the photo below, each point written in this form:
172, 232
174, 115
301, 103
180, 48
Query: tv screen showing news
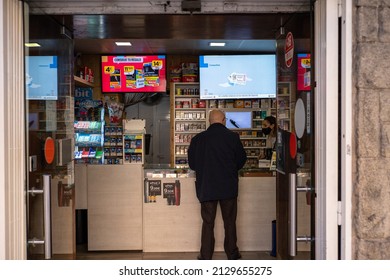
41, 78
133, 73
237, 76
238, 120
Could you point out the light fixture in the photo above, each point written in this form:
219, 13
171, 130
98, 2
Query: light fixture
217, 44
123, 44
32, 45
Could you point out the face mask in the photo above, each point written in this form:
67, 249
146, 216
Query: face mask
266, 130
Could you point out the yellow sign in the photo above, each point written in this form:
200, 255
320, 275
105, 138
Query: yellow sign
129, 69
157, 64
109, 69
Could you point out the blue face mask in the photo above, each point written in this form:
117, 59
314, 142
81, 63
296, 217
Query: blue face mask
266, 130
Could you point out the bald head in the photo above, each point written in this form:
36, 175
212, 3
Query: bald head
217, 116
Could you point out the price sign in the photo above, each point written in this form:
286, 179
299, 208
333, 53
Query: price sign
128, 70
109, 69
157, 64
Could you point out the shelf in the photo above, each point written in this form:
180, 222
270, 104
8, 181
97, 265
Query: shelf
188, 132
255, 147
81, 82
187, 96
189, 120
190, 109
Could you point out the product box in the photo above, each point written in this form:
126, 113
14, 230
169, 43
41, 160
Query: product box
175, 74
202, 103
239, 103
189, 72
248, 104
230, 103
255, 103
221, 103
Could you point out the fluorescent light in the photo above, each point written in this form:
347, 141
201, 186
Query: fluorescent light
123, 44
217, 44
32, 45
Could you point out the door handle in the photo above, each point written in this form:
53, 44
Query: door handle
293, 215
293, 238
46, 215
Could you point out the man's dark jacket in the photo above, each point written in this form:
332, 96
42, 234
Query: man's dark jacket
216, 155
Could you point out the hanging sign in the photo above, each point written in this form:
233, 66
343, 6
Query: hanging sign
289, 49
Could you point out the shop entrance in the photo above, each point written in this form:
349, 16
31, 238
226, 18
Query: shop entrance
294, 147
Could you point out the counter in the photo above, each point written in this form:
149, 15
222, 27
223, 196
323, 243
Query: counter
122, 217
171, 228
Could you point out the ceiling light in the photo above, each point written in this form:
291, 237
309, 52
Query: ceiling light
123, 44
217, 44
32, 45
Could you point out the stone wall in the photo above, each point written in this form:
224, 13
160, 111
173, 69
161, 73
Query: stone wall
371, 198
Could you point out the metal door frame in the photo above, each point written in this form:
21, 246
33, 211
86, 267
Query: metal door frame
330, 213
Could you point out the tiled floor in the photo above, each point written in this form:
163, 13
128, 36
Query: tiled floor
84, 254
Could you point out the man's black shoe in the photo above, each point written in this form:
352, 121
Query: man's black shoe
236, 257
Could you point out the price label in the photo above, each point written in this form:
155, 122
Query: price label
305, 63
109, 69
129, 70
157, 64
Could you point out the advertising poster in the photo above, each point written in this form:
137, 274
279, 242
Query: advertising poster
303, 79
134, 73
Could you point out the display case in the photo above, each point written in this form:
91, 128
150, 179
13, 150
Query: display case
133, 141
188, 118
89, 142
89, 131
113, 144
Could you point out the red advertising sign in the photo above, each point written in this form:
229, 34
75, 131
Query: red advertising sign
289, 49
303, 79
127, 73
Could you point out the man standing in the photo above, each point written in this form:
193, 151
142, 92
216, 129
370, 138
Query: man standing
216, 155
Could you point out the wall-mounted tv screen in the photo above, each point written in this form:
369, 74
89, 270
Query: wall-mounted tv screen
303, 79
41, 77
133, 73
238, 120
237, 76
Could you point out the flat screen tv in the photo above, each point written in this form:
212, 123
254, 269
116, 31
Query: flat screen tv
237, 76
133, 73
41, 78
238, 120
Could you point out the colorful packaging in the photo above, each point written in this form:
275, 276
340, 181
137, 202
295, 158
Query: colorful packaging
189, 72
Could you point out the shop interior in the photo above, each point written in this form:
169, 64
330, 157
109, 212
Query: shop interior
89, 191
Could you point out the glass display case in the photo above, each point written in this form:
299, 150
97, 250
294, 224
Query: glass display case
89, 132
165, 171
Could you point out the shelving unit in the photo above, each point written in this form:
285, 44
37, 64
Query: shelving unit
81, 82
134, 141
188, 117
284, 105
89, 142
89, 127
113, 145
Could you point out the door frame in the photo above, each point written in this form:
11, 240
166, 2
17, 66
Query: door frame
330, 213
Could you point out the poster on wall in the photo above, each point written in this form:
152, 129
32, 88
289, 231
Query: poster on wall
303, 79
129, 73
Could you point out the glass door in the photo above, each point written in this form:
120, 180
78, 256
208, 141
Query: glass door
49, 132
295, 139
